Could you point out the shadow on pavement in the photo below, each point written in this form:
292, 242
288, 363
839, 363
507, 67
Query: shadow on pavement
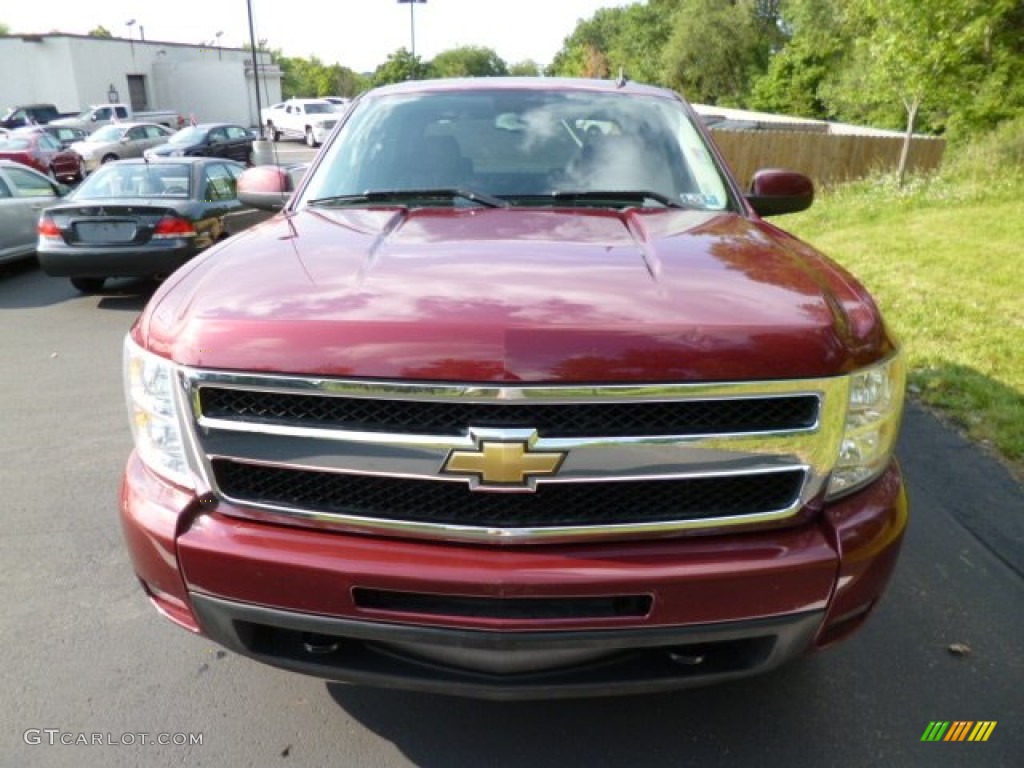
728, 724
23, 286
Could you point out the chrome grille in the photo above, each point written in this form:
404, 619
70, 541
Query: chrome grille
687, 417
640, 461
553, 505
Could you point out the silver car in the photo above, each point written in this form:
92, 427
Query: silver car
119, 141
24, 192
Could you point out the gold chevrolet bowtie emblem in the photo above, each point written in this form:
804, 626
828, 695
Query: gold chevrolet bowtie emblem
503, 463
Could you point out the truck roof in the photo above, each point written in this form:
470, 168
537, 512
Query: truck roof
520, 83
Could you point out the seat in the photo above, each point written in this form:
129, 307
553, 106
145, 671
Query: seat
435, 162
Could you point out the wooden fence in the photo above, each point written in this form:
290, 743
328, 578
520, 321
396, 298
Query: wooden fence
825, 157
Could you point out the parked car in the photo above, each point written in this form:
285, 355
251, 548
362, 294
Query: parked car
309, 119
41, 151
65, 135
29, 114
208, 140
119, 141
502, 406
24, 192
138, 218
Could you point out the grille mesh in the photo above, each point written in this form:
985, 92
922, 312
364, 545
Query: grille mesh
690, 417
552, 505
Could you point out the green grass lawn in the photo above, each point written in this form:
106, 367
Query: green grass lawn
944, 257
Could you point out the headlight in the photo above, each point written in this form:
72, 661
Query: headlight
149, 383
873, 413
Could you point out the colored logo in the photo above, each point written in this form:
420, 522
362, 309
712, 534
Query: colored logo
506, 463
959, 730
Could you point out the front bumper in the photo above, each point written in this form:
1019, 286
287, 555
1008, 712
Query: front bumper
719, 607
320, 133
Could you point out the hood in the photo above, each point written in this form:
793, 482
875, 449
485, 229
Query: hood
516, 295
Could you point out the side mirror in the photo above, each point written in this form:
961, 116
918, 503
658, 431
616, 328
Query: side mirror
93, 117
266, 187
774, 192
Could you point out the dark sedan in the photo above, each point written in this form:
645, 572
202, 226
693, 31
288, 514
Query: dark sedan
208, 140
138, 218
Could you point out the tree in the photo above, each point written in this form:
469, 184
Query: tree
628, 38
799, 73
400, 66
4, 29
468, 61
917, 52
99, 31
347, 82
718, 47
525, 68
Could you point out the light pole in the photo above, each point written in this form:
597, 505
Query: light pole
412, 21
218, 43
259, 146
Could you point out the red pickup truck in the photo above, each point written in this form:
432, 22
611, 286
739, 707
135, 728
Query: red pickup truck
518, 396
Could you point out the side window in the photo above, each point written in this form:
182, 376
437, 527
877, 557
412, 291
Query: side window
46, 141
122, 112
219, 183
152, 132
5, 191
103, 113
29, 184
136, 133
234, 132
217, 134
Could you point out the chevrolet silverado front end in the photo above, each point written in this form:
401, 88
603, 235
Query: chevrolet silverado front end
513, 426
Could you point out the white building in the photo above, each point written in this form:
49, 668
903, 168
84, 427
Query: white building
75, 71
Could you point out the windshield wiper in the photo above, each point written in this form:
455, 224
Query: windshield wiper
398, 195
616, 195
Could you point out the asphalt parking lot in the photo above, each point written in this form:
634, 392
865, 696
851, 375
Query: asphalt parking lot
84, 655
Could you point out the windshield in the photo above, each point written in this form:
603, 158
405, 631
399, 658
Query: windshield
190, 135
106, 133
529, 147
169, 180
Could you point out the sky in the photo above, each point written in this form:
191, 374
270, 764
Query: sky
356, 33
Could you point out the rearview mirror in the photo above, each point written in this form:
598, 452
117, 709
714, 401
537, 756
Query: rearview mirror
266, 187
774, 192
